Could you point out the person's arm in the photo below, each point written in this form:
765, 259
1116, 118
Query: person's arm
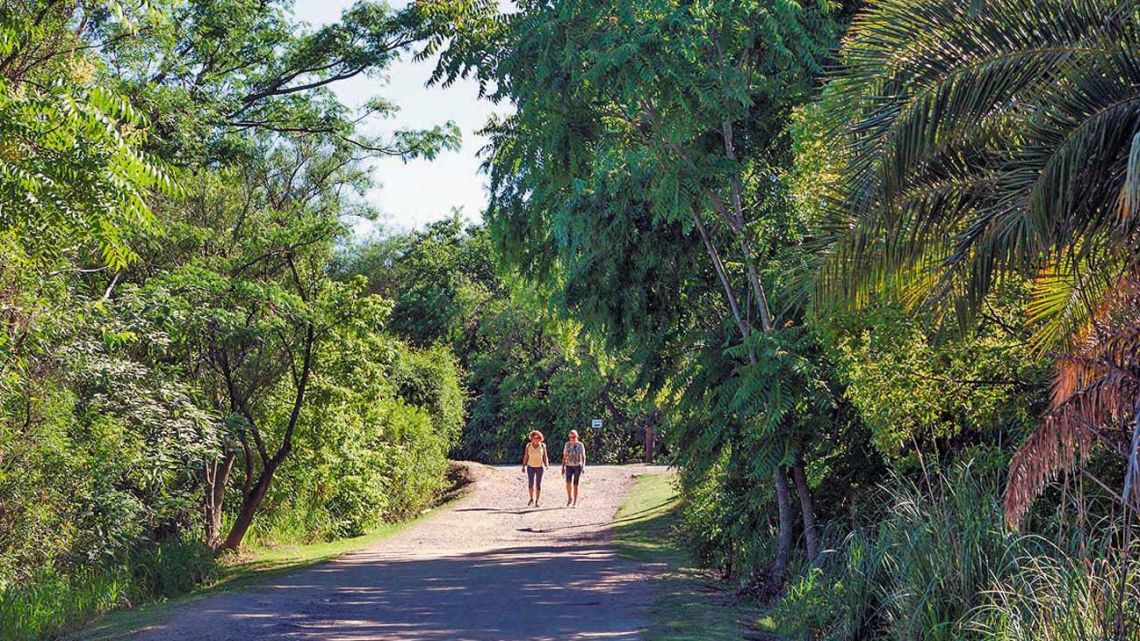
545, 458
524, 458
583, 454
563, 459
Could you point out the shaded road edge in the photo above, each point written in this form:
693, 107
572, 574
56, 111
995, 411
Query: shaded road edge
690, 603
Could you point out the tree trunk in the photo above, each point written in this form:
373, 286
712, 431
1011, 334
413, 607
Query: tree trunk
249, 506
784, 542
804, 491
722, 274
217, 476
251, 499
650, 428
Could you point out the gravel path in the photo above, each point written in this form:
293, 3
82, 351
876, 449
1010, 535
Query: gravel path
485, 568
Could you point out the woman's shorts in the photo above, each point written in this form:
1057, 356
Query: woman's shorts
534, 476
573, 473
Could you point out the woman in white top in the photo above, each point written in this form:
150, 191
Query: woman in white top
573, 463
534, 462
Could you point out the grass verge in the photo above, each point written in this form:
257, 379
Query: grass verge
253, 566
691, 604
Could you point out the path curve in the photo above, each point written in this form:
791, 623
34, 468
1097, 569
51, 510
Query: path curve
485, 568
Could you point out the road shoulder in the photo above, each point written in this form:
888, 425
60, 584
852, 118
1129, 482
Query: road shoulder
691, 604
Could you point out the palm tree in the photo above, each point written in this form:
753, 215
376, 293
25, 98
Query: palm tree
998, 140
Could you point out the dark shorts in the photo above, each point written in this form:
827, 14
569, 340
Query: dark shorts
573, 473
534, 476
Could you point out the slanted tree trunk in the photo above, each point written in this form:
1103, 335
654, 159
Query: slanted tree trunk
217, 476
784, 540
732, 213
811, 535
251, 500
249, 506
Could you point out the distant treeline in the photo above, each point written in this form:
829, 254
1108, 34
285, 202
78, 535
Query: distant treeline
525, 368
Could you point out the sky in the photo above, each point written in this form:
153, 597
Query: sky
411, 194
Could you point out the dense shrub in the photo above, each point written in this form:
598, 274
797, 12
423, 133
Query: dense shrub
942, 565
374, 444
728, 522
99, 482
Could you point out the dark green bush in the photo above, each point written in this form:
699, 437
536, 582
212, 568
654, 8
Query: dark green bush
374, 442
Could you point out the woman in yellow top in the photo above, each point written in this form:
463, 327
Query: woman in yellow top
534, 462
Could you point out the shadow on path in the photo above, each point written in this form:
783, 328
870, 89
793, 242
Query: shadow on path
577, 591
488, 569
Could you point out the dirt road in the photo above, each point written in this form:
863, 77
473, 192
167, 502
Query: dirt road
486, 568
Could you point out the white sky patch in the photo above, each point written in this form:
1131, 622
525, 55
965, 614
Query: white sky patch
411, 194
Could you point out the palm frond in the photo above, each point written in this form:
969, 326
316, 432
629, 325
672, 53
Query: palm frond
1065, 296
994, 140
1096, 399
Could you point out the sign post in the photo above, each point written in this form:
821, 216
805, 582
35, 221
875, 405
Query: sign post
596, 423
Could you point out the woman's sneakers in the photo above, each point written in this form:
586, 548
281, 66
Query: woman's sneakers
568, 501
530, 503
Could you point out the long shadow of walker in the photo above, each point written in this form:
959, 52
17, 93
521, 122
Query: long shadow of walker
577, 591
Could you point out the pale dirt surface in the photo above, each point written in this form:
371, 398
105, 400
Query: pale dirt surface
484, 568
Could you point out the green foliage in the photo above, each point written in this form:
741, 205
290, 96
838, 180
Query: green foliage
219, 70
380, 421
917, 391
978, 146
525, 378
615, 140
153, 331
1054, 596
728, 523
676, 238
525, 370
438, 277
72, 165
51, 600
941, 565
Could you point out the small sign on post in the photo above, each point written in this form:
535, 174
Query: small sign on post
596, 423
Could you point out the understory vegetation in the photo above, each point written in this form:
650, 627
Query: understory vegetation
865, 273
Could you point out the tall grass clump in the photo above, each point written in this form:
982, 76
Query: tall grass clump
49, 602
44, 605
1056, 596
943, 566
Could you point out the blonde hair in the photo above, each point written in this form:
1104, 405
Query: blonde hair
541, 438
574, 432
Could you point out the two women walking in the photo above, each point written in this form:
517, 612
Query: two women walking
535, 461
